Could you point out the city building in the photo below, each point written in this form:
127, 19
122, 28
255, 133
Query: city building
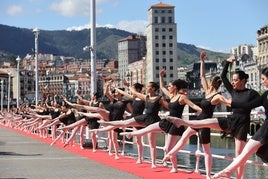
262, 38
161, 43
136, 72
130, 49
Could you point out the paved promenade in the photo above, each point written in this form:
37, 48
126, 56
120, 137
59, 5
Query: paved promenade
24, 157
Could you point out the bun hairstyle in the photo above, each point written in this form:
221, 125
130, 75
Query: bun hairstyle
216, 82
97, 95
154, 85
180, 84
138, 86
265, 72
241, 75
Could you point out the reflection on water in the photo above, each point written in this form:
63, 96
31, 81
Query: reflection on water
219, 146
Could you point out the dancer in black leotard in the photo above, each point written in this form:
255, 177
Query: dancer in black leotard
238, 123
138, 106
153, 103
116, 111
86, 121
178, 99
212, 98
259, 142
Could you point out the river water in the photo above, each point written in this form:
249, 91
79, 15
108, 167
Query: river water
219, 146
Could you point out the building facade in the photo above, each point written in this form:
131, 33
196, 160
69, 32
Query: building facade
130, 49
161, 43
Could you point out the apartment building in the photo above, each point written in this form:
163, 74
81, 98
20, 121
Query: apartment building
161, 42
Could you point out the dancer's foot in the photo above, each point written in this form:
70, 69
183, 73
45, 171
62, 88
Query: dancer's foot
165, 164
174, 120
173, 170
65, 144
139, 161
222, 174
116, 157
127, 134
153, 165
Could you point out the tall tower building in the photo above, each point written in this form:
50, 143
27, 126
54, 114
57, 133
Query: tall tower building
130, 49
161, 43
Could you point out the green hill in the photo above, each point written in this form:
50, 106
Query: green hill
20, 41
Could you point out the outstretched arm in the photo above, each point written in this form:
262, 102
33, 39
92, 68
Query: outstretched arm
202, 71
139, 95
162, 83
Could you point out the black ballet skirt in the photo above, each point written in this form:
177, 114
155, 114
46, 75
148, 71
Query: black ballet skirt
263, 153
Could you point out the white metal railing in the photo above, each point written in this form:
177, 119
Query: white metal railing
198, 152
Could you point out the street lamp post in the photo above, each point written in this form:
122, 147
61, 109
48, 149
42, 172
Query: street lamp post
18, 80
2, 94
36, 33
8, 92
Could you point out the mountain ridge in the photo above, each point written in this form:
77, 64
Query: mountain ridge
20, 41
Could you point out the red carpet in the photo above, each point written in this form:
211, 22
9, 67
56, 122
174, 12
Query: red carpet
125, 163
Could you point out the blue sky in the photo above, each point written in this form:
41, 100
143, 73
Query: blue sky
211, 24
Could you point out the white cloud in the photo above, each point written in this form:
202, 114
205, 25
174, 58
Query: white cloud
137, 26
71, 8
14, 10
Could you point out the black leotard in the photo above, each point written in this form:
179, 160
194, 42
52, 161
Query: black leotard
117, 110
68, 119
152, 107
176, 110
262, 133
239, 123
138, 107
92, 122
207, 112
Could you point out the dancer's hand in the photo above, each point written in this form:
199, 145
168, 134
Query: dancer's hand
203, 56
166, 158
231, 59
197, 113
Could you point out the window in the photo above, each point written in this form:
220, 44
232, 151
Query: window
157, 67
170, 45
156, 29
157, 60
163, 45
164, 52
170, 37
157, 52
169, 19
156, 45
171, 60
156, 20
163, 29
163, 37
171, 75
170, 29
164, 60
171, 67
162, 19
156, 37
170, 52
